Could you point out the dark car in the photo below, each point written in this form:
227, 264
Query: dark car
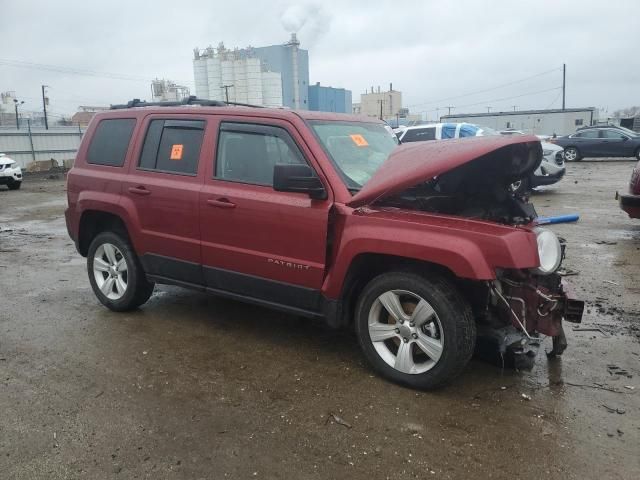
600, 142
630, 202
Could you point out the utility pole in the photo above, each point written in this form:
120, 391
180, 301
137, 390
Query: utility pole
44, 107
226, 91
381, 101
488, 109
17, 104
514, 107
449, 108
564, 82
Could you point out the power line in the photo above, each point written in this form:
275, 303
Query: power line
79, 71
496, 99
486, 89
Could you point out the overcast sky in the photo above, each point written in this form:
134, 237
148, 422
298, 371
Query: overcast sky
435, 52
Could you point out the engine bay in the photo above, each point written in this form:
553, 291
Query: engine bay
480, 190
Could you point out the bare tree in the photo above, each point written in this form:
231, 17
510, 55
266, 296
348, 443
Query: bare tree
627, 112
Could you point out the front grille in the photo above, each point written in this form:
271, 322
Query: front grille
560, 157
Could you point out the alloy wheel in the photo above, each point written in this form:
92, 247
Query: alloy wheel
405, 331
110, 271
570, 154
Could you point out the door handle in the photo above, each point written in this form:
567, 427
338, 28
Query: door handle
139, 190
221, 203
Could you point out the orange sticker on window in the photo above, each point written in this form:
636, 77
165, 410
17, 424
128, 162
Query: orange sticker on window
176, 152
359, 140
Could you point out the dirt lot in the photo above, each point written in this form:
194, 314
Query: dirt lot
192, 386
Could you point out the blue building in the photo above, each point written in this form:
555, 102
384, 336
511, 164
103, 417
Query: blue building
329, 99
292, 63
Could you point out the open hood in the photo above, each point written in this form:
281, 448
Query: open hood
511, 158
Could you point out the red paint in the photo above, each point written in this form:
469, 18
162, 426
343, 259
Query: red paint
289, 237
415, 162
631, 203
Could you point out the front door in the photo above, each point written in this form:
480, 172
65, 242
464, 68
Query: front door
162, 189
256, 242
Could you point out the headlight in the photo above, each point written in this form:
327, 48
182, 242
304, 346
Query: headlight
546, 153
549, 251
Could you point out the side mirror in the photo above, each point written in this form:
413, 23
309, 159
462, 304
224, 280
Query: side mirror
624, 139
298, 178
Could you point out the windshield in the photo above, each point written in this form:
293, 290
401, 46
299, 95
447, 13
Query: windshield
357, 149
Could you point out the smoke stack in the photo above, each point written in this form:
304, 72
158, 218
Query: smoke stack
294, 44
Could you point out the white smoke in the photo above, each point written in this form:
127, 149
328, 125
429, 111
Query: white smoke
310, 21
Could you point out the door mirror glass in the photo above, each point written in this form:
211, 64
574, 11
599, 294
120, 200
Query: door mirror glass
298, 178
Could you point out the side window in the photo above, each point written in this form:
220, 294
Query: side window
586, 134
419, 135
578, 122
110, 142
247, 153
172, 146
613, 134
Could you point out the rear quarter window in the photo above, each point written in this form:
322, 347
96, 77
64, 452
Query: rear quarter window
110, 142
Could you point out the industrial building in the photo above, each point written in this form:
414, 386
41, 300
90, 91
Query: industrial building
329, 99
386, 105
545, 122
168, 91
276, 75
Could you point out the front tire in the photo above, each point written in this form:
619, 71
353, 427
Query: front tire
414, 330
572, 154
13, 185
115, 273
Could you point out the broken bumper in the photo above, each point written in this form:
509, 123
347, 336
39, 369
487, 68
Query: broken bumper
533, 306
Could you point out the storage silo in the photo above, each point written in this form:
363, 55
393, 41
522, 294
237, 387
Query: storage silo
271, 89
240, 79
253, 68
200, 74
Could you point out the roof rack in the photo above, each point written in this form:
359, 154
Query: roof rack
192, 100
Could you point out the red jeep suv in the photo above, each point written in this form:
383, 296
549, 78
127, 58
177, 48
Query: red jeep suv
420, 247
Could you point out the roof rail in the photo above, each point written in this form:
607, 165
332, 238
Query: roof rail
192, 100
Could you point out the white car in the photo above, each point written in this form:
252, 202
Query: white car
10, 173
550, 171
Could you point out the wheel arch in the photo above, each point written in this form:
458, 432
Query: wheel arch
365, 267
94, 222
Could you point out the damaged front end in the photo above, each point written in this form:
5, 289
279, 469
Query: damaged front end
525, 306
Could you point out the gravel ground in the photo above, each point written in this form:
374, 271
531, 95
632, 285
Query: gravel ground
192, 386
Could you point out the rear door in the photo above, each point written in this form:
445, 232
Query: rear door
256, 242
163, 190
616, 143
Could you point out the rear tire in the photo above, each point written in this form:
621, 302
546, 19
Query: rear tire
638, 154
13, 185
115, 273
432, 340
572, 154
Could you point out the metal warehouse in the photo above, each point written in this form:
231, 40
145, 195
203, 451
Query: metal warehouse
545, 122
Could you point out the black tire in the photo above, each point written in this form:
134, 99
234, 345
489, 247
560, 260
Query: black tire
13, 185
138, 289
572, 150
454, 315
638, 154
